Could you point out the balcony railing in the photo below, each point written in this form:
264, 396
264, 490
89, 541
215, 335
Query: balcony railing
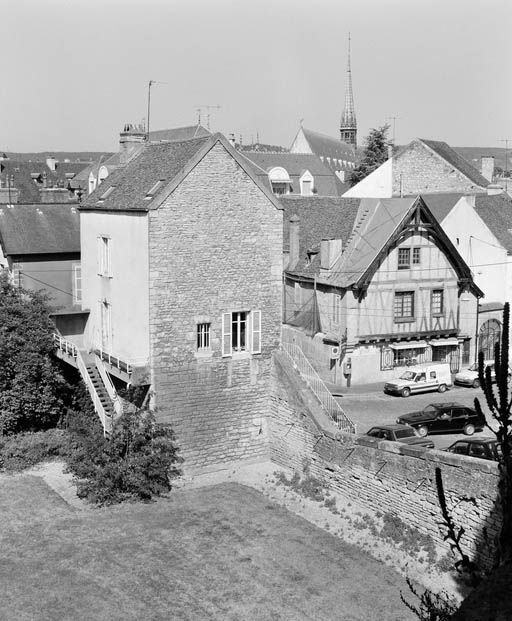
317, 386
117, 362
65, 346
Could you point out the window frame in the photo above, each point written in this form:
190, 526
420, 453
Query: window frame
404, 259
437, 307
416, 256
104, 256
400, 317
203, 337
76, 283
235, 324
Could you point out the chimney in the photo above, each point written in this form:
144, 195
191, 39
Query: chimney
487, 167
232, 140
330, 250
390, 151
45, 179
131, 140
294, 241
51, 162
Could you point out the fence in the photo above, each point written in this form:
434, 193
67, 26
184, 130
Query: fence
317, 386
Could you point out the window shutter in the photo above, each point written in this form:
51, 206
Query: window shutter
226, 334
100, 255
256, 332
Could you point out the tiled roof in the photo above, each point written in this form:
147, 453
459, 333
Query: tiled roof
441, 204
23, 173
320, 218
39, 229
376, 222
496, 211
329, 147
131, 183
457, 161
295, 164
179, 133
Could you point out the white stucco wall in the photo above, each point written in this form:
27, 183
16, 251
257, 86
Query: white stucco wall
126, 290
480, 249
378, 184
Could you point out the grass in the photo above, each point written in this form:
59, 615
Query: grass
222, 553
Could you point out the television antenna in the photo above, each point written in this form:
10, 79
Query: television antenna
208, 108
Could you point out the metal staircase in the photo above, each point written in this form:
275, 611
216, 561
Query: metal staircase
100, 389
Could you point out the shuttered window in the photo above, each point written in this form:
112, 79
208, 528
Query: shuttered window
256, 332
241, 331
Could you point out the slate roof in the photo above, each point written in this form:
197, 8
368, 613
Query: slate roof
320, 218
376, 222
496, 211
325, 181
457, 161
156, 162
441, 204
39, 229
179, 133
23, 172
329, 147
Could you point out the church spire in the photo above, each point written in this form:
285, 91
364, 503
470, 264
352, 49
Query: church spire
348, 124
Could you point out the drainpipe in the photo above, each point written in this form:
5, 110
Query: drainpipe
476, 328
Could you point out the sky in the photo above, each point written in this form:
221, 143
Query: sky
75, 71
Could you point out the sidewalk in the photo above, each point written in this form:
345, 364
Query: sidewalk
362, 391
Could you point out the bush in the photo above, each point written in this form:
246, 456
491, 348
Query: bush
138, 460
28, 449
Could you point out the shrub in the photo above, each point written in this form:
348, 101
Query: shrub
28, 449
138, 460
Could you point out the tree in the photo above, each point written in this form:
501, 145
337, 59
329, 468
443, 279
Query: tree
31, 384
375, 153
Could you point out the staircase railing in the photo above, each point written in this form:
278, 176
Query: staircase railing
112, 393
317, 386
64, 345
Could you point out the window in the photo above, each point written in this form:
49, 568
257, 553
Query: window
416, 256
406, 357
280, 187
336, 308
437, 302
404, 305
404, 258
203, 336
241, 331
104, 256
77, 283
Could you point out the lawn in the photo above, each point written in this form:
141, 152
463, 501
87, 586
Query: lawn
224, 552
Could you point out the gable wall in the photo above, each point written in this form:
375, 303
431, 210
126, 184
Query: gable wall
419, 170
300, 144
215, 247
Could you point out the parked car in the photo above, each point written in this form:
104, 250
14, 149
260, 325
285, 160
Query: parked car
421, 378
444, 418
399, 433
469, 376
483, 448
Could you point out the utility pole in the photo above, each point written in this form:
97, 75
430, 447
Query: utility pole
506, 141
394, 119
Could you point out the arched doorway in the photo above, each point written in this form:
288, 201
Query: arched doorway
489, 335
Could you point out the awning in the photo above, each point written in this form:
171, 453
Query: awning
444, 342
409, 345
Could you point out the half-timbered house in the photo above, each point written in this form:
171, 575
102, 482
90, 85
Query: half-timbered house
385, 288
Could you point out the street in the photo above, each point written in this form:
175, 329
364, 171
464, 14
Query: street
374, 408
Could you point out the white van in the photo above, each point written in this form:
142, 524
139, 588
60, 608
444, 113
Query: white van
421, 378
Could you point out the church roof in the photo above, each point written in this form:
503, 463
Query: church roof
348, 118
327, 146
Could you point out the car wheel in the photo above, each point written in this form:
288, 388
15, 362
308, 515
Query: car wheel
442, 388
476, 383
469, 430
406, 392
422, 431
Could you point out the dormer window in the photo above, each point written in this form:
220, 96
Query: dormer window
107, 193
306, 183
279, 180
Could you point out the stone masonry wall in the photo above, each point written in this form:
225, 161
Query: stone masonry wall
419, 170
384, 476
215, 247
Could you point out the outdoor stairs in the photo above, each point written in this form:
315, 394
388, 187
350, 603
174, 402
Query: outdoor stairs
99, 386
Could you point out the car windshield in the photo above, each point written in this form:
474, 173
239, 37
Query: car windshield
405, 433
473, 367
430, 409
408, 375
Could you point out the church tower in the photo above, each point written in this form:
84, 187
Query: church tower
348, 123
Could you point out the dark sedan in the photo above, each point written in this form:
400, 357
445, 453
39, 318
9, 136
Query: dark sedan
483, 448
398, 433
444, 418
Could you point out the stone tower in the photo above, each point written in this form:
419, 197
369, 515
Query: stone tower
348, 123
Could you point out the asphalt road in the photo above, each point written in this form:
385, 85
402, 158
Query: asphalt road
376, 408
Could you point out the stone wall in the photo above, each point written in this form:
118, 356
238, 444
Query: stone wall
419, 170
215, 247
382, 475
